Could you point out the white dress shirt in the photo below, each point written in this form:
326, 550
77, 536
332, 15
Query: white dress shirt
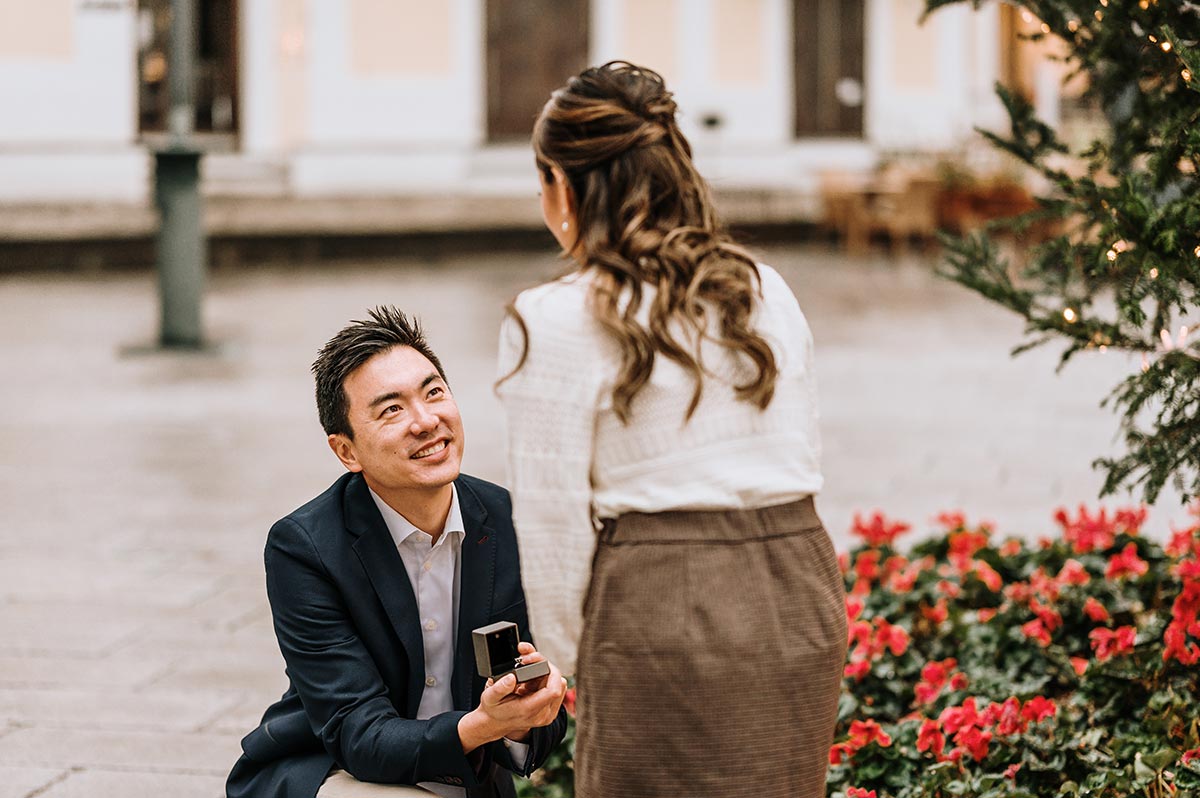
433, 571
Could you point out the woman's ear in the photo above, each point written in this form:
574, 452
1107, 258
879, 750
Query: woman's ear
564, 197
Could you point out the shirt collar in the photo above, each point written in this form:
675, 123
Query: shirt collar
401, 529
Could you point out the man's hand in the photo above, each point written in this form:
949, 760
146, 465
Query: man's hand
508, 709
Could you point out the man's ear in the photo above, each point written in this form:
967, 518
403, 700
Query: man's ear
343, 448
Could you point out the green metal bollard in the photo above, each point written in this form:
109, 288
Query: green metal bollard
182, 247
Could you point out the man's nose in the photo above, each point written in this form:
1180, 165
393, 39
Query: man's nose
423, 419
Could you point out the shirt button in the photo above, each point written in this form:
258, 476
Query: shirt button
428, 566
430, 681
431, 624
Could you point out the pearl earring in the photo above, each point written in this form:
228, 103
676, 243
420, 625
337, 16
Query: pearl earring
566, 225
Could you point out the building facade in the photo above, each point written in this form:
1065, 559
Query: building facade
328, 98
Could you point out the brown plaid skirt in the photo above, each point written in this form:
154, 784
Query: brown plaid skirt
711, 657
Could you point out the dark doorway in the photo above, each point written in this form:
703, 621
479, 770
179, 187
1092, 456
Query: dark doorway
829, 90
533, 46
216, 66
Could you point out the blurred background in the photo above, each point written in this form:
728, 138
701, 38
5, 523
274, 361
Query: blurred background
358, 152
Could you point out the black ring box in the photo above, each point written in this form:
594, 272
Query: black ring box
496, 653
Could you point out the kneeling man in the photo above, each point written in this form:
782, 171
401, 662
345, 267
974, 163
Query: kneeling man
375, 586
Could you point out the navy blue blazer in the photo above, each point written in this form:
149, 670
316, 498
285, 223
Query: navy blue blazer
347, 623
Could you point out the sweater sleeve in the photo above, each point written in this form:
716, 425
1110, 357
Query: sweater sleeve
550, 406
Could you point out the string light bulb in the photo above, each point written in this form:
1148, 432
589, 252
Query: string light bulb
1154, 273
1186, 74
1045, 28
1111, 255
1196, 252
1073, 25
1166, 47
1069, 315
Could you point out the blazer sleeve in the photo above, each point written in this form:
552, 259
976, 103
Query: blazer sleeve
542, 741
342, 691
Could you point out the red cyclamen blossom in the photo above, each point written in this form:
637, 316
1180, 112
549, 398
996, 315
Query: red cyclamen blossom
1108, 643
976, 741
1095, 610
1189, 756
865, 732
954, 719
1073, 573
1127, 563
840, 752
1038, 709
878, 530
1006, 717
930, 738
858, 792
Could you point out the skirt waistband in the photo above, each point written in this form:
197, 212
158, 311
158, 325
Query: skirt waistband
712, 526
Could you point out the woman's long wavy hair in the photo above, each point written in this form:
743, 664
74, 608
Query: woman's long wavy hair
645, 216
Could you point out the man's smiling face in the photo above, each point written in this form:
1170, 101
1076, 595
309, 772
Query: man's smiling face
408, 434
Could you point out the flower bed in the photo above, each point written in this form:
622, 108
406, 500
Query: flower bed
996, 668
982, 668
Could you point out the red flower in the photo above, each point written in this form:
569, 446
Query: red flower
1080, 665
1044, 585
1011, 547
1035, 630
930, 738
569, 701
865, 732
1189, 756
857, 670
952, 520
854, 608
949, 589
937, 613
1073, 573
1091, 532
1049, 617
1038, 709
891, 637
986, 614
963, 546
955, 719
1006, 717
933, 679
1109, 643
866, 565
840, 752
1127, 563
1178, 647
858, 792
976, 741
1184, 542
844, 562
1095, 610
988, 575
1010, 772
958, 681
878, 531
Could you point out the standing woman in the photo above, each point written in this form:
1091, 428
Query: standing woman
663, 456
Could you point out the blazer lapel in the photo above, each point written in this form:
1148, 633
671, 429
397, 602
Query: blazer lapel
380, 559
477, 569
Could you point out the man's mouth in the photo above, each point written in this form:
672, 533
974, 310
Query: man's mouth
431, 449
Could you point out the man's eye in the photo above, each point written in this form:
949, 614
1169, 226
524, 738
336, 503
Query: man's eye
435, 391
391, 409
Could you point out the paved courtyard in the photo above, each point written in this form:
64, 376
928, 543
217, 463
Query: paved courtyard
137, 488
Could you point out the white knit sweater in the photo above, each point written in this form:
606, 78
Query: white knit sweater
572, 461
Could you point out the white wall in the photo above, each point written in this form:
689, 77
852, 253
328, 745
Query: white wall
67, 87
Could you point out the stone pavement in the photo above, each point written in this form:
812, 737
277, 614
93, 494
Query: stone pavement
135, 641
